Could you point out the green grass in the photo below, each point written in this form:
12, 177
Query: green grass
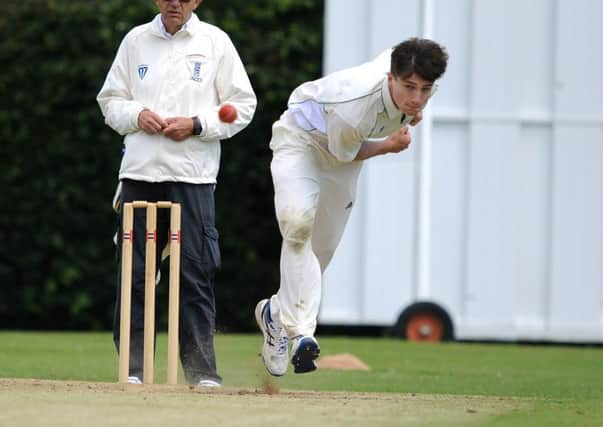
560, 385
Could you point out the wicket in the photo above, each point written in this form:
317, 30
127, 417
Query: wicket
149, 302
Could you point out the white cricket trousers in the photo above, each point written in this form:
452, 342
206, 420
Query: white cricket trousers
314, 195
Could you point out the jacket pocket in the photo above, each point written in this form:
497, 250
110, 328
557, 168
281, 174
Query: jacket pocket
210, 257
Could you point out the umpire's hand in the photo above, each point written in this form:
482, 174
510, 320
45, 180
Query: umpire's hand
150, 122
178, 128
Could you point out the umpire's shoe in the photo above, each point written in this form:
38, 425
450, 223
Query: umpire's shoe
275, 352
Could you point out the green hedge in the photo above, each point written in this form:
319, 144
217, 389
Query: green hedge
59, 161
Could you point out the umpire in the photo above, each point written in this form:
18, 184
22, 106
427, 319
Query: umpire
162, 94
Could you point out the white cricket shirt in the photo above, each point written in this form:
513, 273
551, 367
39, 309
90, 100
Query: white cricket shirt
347, 107
188, 74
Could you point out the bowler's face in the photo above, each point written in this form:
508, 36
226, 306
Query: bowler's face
410, 94
175, 13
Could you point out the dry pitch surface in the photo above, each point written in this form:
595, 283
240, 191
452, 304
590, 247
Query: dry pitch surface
58, 403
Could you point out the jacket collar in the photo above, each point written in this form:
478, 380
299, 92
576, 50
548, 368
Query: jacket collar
190, 27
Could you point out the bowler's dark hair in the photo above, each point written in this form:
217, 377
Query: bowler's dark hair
422, 56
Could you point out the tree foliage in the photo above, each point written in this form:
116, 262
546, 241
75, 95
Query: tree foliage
59, 161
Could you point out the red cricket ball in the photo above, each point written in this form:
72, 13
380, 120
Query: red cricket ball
227, 113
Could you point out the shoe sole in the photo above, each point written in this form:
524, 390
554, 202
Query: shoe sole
304, 359
259, 314
209, 384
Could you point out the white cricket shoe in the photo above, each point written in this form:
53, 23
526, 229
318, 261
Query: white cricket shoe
305, 351
134, 380
209, 384
275, 351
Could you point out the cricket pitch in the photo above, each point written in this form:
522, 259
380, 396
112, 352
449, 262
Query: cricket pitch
66, 404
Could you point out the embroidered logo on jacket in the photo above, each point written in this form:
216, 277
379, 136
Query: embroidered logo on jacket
142, 70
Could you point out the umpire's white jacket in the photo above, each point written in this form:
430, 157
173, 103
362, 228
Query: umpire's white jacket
189, 74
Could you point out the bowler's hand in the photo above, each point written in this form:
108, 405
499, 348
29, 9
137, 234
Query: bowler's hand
150, 122
399, 140
178, 128
416, 119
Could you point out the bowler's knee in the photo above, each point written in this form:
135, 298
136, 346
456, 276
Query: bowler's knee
296, 226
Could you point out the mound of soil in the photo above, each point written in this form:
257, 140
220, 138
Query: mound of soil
343, 362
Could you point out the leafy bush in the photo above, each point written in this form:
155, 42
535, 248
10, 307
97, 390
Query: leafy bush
59, 161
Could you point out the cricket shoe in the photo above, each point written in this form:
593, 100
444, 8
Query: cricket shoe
209, 384
134, 380
305, 351
275, 351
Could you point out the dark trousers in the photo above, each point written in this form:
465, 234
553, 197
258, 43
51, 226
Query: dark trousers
200, 259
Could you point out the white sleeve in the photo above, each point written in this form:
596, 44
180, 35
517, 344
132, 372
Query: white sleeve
344, 140
233, 87
115, 97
